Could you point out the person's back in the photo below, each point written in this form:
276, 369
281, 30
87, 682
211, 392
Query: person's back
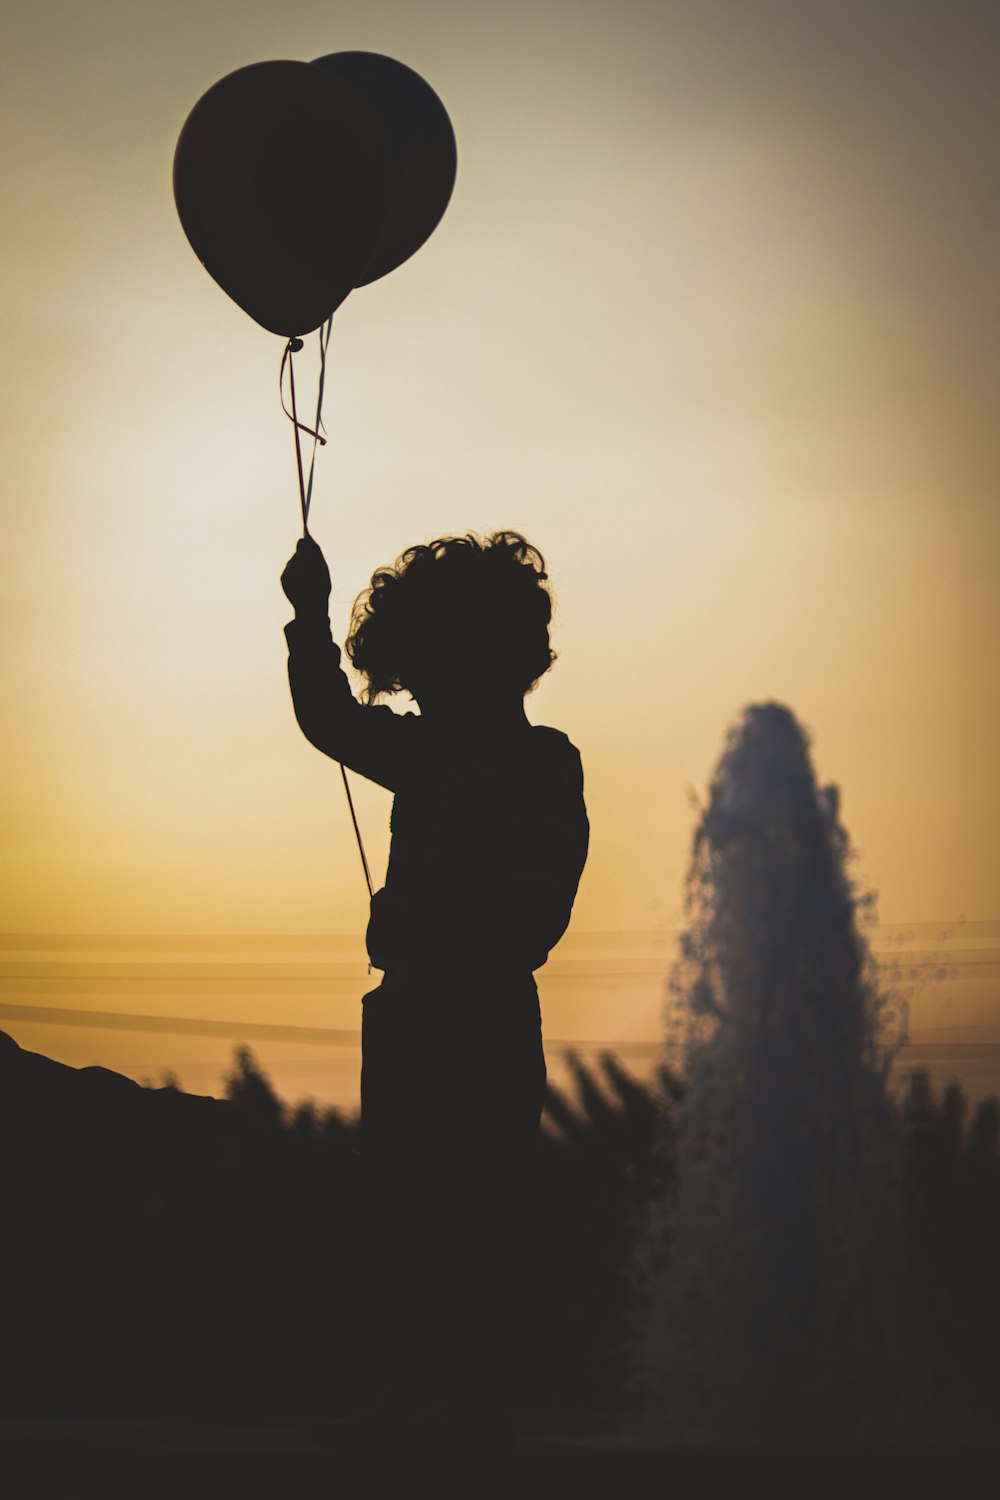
488, 839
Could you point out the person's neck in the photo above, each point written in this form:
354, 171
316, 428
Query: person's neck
496, 715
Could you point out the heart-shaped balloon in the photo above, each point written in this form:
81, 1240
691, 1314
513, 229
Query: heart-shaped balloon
280, 178
420, 148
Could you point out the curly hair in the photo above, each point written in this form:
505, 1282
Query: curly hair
460, 609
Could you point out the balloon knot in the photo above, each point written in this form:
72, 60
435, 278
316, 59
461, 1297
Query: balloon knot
294, 345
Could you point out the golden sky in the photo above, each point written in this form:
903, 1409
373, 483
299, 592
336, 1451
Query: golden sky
712, 317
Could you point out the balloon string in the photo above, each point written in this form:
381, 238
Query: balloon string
292, 348
357, 834
324, 341
305, 495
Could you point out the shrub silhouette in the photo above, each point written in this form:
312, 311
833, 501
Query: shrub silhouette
176, 1257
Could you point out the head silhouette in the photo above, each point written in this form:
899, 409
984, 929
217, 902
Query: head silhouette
455, 618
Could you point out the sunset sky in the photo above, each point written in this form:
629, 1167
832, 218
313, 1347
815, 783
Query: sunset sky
713, 317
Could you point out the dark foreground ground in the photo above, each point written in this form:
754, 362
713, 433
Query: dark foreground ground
179, 1300
143, 1459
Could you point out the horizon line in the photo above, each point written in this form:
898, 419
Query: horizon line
350, 1036
12, 935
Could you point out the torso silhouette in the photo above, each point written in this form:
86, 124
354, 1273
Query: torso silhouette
489, 827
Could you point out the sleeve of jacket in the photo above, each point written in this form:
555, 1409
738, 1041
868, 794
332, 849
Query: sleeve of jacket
555, 863
371, 740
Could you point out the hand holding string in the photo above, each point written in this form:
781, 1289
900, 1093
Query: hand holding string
306, 581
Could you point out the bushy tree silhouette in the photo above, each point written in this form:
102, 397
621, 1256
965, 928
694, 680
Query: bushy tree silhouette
175, 1257
952, 1203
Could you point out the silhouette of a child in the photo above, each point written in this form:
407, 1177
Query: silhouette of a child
489, 839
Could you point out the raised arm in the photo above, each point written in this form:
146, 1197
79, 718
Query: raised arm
371, 740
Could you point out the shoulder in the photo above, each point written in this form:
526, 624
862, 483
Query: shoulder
553, 741
556, 750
